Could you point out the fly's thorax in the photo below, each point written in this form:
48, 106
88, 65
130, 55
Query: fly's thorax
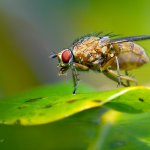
87, 51
104, 41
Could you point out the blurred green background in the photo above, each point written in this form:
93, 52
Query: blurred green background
30, 29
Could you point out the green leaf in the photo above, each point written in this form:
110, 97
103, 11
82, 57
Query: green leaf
72, 133
128, 132
55, 102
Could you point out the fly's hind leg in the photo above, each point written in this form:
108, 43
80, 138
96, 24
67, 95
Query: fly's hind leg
127, 81
114, 76
127, 74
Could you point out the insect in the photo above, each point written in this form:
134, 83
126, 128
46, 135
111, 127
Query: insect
105, 54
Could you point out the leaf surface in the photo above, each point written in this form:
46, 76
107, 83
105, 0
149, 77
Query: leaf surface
55, 102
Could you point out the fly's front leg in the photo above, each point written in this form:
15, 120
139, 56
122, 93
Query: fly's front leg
114, 76
75, 79
81, 67
75, 67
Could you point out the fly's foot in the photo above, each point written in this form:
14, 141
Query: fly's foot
119, 81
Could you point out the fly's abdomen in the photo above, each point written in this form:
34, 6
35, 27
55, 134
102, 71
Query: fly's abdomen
131, 55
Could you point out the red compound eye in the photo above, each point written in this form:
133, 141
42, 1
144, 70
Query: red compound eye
66, 55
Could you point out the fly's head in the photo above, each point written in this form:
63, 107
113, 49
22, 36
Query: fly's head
65, 59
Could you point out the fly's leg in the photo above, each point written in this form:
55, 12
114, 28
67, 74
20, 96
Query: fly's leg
81, 67
114, 76
75, 78
126, 73
128, 82
105, 66
75, 67
118, 71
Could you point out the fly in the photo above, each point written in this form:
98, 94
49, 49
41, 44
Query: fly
104, 54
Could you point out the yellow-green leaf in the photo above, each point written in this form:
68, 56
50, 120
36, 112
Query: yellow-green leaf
55, 102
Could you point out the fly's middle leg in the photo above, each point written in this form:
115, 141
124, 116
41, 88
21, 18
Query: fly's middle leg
106, 65
118, 71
